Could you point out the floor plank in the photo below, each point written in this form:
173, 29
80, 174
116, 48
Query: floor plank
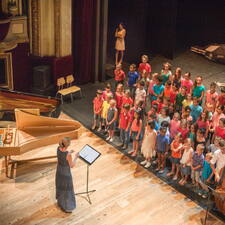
126, 194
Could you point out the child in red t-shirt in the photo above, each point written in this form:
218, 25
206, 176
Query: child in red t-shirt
127, 99
176, 154
173, 94
183, 129
135, 132
167, 89
107, 91
124, 124
97, 108
119, 96
119, 75
159, 103
144, 66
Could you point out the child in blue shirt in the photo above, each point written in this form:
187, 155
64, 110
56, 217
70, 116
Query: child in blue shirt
153, 118
199, 89
206, 175
196, 110
158, 88
162, 147
132, 79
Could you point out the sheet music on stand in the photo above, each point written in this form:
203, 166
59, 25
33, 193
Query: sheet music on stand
88, 154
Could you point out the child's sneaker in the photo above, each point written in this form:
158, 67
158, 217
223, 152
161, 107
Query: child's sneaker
99, 129
205, 195
200, 192
148, 164
124, 147
111, 140
161, 171
169, 174
108, 138
175, 178
143, 162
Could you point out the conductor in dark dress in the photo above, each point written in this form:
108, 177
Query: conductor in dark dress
64, 182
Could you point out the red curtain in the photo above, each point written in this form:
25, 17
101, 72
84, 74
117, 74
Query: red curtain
84, 40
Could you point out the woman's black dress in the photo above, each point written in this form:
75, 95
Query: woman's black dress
64, 183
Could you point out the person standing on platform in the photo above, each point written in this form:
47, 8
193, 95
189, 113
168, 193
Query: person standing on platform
64, 183
120, 43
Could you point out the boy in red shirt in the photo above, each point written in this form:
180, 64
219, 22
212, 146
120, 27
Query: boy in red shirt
144, 66
124, 124
119, 75
97, 108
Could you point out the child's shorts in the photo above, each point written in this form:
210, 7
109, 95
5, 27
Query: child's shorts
134, 135
97, 117
195, 176
175, 160
160, 151
185, 170
112, 126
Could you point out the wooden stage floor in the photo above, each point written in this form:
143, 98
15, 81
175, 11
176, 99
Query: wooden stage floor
126, 193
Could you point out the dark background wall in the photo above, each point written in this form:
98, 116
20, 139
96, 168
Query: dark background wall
166, 27
133, 13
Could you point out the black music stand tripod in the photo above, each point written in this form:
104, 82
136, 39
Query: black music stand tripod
88, 155
211, 191
87, 188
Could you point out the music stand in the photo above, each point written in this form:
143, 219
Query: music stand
211, 190
89, 156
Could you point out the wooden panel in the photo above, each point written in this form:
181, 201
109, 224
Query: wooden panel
34, 131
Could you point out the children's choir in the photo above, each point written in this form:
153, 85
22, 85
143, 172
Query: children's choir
168, 118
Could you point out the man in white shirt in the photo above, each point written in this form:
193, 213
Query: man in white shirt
218, 160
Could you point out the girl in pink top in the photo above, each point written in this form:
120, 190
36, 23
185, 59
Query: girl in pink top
211, 95
135, 132
203, 122
183, 129
176, 79
218, 114
187, 82
174, 125
220, 129
176, 154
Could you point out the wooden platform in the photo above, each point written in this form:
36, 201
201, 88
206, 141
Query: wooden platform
126, 193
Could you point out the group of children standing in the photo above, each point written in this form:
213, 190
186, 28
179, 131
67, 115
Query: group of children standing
184, 123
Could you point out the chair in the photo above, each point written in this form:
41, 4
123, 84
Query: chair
61, 90
69, 89
72, 88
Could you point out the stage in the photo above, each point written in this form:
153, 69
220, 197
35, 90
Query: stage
126, 194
